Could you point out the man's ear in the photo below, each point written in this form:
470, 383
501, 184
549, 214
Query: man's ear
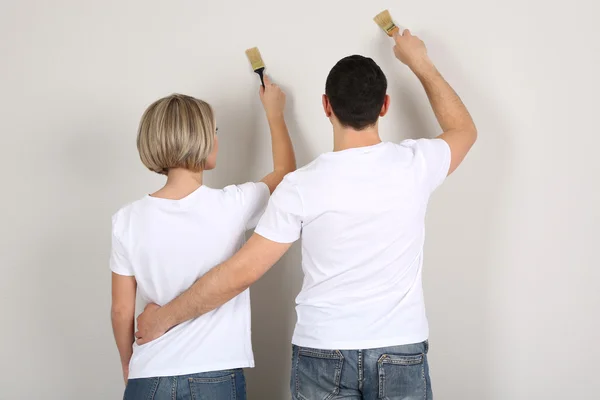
327, 106
386, 106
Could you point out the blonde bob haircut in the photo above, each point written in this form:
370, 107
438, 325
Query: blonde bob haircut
177, 131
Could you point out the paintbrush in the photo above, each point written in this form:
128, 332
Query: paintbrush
384, 20
257, 63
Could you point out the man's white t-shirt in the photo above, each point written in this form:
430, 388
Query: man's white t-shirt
167, 245
361, 215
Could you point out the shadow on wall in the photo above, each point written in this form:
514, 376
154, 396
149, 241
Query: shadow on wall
238, 141
273, 304
466, 221
462, 218
244, 147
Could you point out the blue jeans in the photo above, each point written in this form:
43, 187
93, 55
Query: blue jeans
216, 385
391, 373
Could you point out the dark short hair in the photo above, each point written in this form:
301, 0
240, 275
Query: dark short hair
356, 89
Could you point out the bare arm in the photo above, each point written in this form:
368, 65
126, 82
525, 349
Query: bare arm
123, 317
214, 289
458, 128
284, 160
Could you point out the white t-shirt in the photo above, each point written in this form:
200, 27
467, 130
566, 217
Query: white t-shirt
167, 245
361, 215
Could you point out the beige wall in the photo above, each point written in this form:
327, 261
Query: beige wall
511, 260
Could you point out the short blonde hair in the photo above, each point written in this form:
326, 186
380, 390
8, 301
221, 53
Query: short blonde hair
177, 131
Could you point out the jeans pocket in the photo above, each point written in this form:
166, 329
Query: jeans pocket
317, 373
402, 377
213, 388
141, 389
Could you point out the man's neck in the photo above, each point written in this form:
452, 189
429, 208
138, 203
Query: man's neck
348, 138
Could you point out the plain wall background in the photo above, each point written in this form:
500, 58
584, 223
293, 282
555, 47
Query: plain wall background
511, 271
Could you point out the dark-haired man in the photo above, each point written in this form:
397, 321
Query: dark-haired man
362, 330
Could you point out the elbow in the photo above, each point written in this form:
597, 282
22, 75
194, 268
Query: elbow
471, 130
286, 168
246, 276
474, 133
292, 166
283, 170
250, 279
122, 312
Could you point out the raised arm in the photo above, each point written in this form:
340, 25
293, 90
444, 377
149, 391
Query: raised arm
123, 317
457, 125
284, 161
214, 289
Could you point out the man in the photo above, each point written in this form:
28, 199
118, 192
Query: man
362, 330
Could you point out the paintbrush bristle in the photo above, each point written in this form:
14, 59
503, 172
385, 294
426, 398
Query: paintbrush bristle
255, 59
384, 20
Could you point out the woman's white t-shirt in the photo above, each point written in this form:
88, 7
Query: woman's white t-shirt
167, 245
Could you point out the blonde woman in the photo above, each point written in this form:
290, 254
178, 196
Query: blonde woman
162, 243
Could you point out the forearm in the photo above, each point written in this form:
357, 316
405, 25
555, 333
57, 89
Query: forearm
123, 330
214, 289
223, 282
447, 106
284, 160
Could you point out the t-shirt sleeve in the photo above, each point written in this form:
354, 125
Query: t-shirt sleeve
282, 220
431, 161
254, 199
119, 263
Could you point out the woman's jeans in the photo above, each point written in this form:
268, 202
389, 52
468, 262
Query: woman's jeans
392, 373
216, 385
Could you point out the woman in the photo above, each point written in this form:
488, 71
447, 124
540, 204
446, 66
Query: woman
165, 241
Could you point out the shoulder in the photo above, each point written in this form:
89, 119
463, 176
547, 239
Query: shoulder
121, 219
241, 190
245, 194
424, 145
126, 211
304, 174
419, 151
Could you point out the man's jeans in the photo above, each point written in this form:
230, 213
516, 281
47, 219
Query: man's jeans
216, 385
392, 373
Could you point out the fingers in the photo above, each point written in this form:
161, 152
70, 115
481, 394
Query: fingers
151, 306
267, 80
400, 34
145, 339
268, 84
269, 87
141, 341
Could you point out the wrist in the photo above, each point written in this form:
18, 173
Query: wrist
164, 319
274, 114
422, 67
